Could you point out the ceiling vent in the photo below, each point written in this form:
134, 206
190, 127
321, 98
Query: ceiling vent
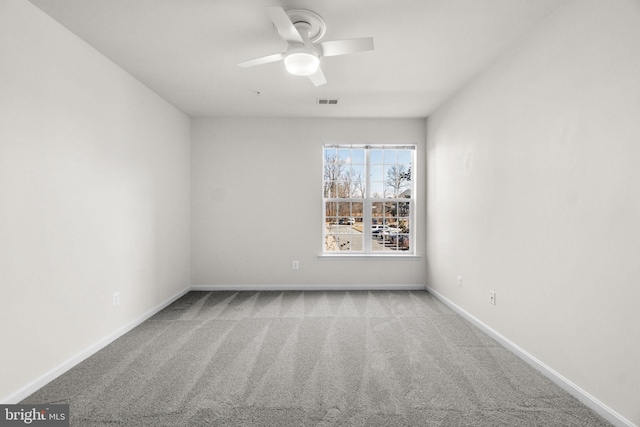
326, 101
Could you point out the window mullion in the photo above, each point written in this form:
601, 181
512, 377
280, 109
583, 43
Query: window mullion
366, 215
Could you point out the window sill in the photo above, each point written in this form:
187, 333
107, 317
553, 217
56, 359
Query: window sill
368, 257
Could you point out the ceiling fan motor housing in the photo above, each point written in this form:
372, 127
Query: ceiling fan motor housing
316, 26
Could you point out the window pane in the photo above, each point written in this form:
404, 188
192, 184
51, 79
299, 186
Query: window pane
330, 243
331, 209
330, 189
390, 157
357, 172
390, 209
376, 157
356, 242
343, 221
397, 181
344, 244
377, 242
404, 156
392, 241
339, 189
357, 210
403, 243
330, 153
388, 192
377, 173
404, 209
357, 156
377, 190
347, 242
334, 174
344, 155
377, 213
344, 209
357, 181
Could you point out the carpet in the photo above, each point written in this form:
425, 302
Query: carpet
310, 358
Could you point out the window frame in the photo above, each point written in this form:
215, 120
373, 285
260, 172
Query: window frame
367, 205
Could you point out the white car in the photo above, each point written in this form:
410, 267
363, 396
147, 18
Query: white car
389, 231
381, 231
376, 229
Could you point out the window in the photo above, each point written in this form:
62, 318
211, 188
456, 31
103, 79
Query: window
368, 205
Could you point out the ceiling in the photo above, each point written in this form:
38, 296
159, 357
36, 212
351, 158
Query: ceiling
187, 51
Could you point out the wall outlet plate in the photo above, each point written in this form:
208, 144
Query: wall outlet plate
116, 298
492, 297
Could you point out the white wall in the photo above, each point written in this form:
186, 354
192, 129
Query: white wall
257, 202
94, 197
534, 193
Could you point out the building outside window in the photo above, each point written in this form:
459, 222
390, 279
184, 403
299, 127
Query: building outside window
368, 199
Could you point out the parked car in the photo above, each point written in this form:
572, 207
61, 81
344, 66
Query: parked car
380, 231
402, 240
388, 232
376, 229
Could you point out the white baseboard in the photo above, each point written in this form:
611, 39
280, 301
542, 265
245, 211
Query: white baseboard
308, 288
64, 367
591, 402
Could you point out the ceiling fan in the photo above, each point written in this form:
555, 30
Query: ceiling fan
302, 29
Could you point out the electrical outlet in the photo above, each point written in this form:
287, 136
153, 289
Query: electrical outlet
116, 298
296, 265
459, 281
492, 297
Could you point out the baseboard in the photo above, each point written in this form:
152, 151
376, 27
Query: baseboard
309, 288
584, 397
64, 367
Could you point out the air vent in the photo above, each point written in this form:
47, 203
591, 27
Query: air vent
326, 101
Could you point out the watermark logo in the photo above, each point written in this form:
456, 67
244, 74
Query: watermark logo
34, 415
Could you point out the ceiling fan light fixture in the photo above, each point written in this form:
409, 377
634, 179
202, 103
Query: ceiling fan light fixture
301, 29
301, 62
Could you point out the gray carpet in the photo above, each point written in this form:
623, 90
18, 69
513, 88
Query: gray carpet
363, 358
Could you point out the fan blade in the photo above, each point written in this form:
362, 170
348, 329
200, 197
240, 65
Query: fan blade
318, 77
342, 47
263, 60
284, 25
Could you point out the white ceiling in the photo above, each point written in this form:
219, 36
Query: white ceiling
187, 51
